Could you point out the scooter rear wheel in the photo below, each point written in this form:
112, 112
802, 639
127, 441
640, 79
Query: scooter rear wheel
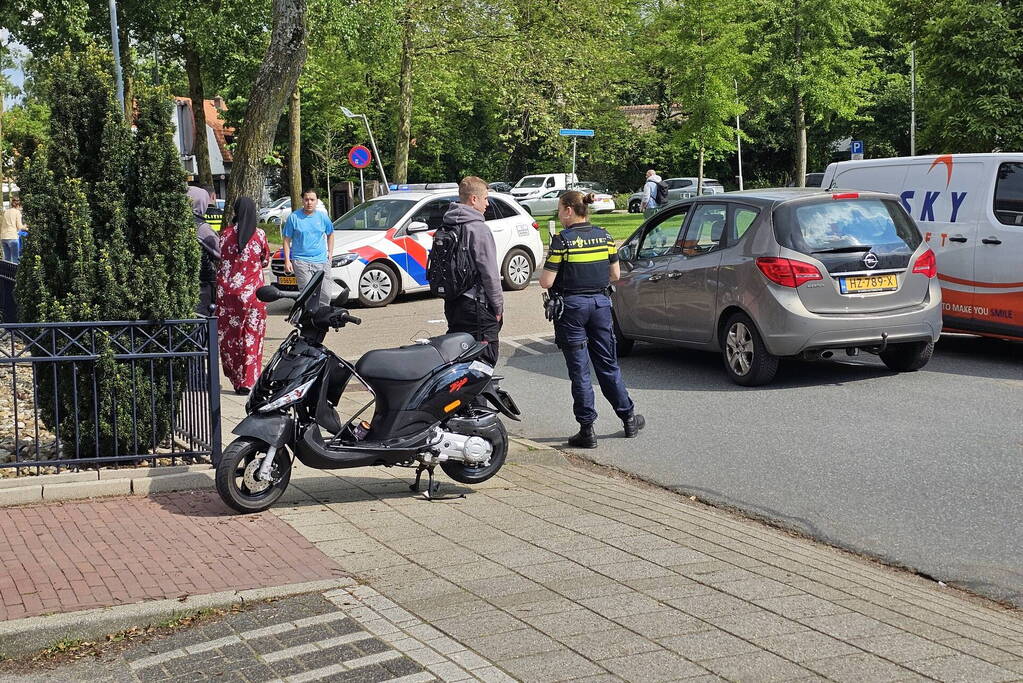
234, 488
498, 438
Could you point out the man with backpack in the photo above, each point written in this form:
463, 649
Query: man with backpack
655, 193
463, 268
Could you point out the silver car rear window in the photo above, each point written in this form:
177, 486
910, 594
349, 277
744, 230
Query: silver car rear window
844, 223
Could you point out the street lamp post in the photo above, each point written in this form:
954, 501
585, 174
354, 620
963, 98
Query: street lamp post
380, 164
116, 43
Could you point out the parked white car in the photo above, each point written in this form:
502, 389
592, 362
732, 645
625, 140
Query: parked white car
279, 211
381, 247
547, 204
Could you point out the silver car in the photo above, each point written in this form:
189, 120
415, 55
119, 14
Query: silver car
678, 188
764, 274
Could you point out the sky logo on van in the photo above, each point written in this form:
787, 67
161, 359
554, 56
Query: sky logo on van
930, 197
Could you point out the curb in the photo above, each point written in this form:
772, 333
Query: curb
70, 486
32, 634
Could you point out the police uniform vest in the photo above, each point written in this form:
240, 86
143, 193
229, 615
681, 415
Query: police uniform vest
580, 255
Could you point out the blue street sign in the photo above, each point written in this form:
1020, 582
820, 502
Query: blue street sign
856, 147
359, 157
576, 132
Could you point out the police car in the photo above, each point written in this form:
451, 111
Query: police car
381, 246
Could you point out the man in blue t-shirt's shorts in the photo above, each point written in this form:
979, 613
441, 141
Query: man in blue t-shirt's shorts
309, 244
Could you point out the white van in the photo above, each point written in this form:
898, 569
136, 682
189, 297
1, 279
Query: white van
532, 186
970, 210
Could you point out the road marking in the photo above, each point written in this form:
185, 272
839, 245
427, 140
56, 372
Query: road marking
542, 340
515, 344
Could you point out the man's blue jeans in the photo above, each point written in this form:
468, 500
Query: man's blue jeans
585, 336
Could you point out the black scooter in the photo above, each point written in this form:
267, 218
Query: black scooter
435, 404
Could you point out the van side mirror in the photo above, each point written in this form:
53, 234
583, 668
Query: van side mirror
417, 226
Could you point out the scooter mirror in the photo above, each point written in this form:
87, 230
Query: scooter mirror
268, 294
342, 296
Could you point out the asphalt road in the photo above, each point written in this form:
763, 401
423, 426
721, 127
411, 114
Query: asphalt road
922, 469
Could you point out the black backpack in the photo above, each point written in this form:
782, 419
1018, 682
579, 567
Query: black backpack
661, 195
451, 269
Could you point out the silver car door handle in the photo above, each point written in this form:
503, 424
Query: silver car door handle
991, 240
956, 238
674, 275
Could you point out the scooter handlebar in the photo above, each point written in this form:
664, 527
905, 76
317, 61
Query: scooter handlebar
352, 319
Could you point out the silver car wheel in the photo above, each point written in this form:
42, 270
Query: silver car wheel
519, 269
739, 349
375, 285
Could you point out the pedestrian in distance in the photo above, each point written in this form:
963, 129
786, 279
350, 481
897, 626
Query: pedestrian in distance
581, 265
241, 317
209, 250
479, 310
10, 231
649, 203
308, 244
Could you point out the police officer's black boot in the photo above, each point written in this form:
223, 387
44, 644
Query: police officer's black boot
633, 423
585, 438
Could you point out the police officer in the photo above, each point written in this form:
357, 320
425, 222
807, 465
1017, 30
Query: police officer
580, 267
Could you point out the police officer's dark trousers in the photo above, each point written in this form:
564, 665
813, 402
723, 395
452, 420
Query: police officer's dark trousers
585, 335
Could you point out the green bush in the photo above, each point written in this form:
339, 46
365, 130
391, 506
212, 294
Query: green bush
112, 239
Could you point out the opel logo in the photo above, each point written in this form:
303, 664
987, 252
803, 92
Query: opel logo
870, 260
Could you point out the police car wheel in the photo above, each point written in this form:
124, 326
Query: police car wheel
517, 270
623, 344
633, 207
378, 286
747, 360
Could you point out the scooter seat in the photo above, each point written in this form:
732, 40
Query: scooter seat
415, 361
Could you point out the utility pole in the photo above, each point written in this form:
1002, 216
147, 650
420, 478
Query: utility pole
912, 101
116, 43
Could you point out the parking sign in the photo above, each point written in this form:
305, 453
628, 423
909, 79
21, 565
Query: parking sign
856, 147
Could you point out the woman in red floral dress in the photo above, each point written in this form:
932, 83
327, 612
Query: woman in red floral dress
241, 317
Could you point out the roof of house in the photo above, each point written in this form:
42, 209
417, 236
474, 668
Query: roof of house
643, 116
212, 109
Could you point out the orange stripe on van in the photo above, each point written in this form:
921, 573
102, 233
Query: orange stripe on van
971, 283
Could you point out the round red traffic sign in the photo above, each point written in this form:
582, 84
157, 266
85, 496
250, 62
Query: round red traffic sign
359, 156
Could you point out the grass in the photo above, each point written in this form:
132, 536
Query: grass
620, 225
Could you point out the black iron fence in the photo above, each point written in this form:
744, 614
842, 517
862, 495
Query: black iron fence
84, 394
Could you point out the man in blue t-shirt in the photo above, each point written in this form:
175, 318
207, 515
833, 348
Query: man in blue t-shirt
309, 244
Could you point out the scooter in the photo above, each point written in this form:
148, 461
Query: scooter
435, 403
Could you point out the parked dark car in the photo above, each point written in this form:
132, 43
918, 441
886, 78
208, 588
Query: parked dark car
500, 186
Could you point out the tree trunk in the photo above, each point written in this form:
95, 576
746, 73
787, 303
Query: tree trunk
277, 78
800, 105
127, 73
401, 148
295, 148
193, 68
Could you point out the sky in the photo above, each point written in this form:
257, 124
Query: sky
16, 75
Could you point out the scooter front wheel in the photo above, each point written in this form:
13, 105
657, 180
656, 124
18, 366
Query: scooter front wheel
236, 482
464, 474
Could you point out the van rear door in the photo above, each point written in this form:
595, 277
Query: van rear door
998, 297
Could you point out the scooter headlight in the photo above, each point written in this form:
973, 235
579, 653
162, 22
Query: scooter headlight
343, 259
293, 396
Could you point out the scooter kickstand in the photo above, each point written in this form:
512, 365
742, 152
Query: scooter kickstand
431, 486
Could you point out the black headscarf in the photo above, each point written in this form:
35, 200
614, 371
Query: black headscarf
244, 220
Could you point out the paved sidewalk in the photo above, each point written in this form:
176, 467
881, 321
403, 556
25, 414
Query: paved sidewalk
65, 557
556, 572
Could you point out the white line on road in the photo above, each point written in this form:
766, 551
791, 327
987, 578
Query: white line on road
515, 344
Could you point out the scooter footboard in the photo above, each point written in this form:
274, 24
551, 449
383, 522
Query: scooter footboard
313, 452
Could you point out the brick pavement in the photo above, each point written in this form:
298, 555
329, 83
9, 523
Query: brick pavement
73, 556
555, 572
350, 634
